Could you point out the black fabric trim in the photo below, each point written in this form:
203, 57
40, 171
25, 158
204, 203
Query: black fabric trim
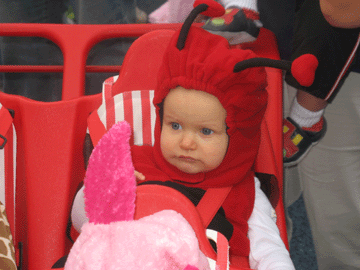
60, 263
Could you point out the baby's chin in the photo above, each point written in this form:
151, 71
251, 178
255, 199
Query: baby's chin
188, 168
191, 169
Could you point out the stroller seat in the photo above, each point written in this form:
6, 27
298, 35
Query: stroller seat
50, 136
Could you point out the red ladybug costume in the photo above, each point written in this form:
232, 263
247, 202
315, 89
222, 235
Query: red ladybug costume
197, 59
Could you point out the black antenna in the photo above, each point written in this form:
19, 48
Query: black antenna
187, 24
262, 62
302, 68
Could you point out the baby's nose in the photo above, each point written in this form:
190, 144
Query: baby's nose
188, 142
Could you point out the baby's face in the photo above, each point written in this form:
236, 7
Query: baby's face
193, 135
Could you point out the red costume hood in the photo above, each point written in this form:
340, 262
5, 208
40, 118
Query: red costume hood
206, 64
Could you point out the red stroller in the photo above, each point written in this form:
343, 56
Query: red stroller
50, 136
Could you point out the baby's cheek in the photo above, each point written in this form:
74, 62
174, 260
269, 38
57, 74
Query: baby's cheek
214, 156
217, 152
166, 146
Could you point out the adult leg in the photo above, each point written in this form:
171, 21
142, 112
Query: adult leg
331, 196
330, 179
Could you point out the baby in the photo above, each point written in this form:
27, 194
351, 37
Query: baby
207, 135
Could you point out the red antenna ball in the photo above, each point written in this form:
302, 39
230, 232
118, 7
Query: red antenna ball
214, 8
303, 69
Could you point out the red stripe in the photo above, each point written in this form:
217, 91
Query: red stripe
110, 104
222, 252
9, 181
128, 112
146, 117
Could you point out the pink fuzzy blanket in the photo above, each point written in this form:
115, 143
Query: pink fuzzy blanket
112, 239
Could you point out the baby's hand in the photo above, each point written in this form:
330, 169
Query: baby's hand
139, 176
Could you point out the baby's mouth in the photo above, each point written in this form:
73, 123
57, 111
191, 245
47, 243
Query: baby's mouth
187, 158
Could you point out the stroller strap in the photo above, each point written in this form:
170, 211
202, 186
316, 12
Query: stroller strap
211, 202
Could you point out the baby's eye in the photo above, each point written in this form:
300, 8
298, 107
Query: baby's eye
175, 126
207, 131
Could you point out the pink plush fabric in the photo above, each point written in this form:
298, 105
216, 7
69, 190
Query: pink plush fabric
161, 241
110, 181
112, 239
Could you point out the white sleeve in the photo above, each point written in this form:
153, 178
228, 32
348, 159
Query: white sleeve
267, 250
249, 4
78, 214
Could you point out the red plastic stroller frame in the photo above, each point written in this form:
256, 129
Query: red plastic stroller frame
50, 136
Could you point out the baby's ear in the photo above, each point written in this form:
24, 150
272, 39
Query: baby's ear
110, 182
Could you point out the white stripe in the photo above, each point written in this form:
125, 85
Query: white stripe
153, 117
137, 117
2, 176
344, 69
103, 93
2, 172
119, 107
211, 234
14, 166
109, 82
115, 78
212, 264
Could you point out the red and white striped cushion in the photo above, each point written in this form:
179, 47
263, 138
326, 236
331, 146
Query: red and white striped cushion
135, 107
8, 165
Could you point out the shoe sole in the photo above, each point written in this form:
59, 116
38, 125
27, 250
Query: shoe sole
296, 162
237, 38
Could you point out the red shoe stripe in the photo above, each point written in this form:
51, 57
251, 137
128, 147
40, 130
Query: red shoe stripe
289, 147
316, 127
251, 14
